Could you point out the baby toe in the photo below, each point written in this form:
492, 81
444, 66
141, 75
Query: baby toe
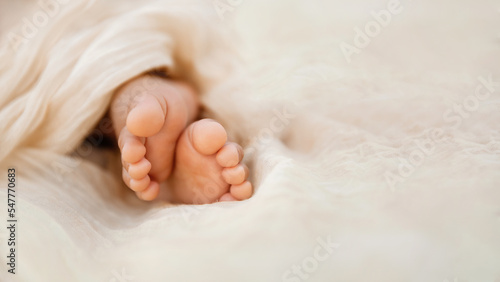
227, 198
140, 169
150, 193
208, 136
236, 174
139, 185
242, 191
147, 117
132, 147
230, 155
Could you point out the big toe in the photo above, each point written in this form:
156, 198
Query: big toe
208, 136
147, 116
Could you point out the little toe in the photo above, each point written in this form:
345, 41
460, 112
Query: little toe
227, 198
140, 169
236, 174
150, 193
139, 185
230, 155
208, 136
132, 147
242, 191
146, 118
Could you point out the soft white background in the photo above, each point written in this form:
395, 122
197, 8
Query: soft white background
321, 176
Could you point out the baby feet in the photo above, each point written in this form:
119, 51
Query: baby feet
150, 115
207, 168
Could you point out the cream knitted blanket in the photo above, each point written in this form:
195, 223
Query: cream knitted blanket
372, 131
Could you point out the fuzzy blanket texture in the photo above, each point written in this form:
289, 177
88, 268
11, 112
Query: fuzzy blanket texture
371, 128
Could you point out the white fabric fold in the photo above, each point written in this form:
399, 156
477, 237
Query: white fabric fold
321, 136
